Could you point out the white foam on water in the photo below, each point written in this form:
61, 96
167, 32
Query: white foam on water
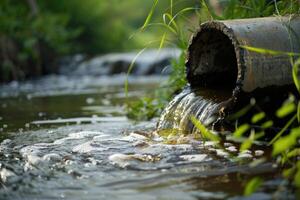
7, 175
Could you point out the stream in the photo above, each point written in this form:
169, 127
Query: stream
68, 137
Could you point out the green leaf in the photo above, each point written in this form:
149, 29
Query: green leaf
293, 153
298, 112
286, 109
248, 142
257, 117
267, 124
283, 144
287, 173
203, 130
253, 185
286, 142
241, 130
295, 75
246, 145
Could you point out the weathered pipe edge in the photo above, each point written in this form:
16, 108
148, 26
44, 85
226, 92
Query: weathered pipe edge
215, 56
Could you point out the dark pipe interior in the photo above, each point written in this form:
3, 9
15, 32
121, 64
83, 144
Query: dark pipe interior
212, 61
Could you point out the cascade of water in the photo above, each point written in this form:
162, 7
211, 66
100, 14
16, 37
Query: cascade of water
201, 103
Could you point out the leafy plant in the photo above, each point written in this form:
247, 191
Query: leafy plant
285, 148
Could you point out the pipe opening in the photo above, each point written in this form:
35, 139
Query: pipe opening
212, 60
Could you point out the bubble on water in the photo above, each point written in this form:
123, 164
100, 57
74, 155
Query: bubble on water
5, 126
1, 129
90, 100
1, 118
27, 125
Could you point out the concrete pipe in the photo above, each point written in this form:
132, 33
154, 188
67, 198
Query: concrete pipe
216, 57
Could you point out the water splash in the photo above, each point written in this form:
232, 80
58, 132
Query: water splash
203, 104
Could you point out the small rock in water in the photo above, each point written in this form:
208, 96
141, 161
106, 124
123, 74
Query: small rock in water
222, 153
231, 149
227, 144
258, 152
245, 155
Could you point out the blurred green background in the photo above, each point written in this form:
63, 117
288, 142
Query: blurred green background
34, 34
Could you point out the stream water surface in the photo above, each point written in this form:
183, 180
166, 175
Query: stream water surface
68, 137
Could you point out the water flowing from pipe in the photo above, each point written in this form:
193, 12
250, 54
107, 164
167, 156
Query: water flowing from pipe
204, 104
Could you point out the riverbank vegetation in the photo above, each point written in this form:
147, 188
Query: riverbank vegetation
179, 25
285, 144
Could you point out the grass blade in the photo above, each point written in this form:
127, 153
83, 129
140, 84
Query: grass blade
205, 133
283, 129
129, 71
149, 17
269, 51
